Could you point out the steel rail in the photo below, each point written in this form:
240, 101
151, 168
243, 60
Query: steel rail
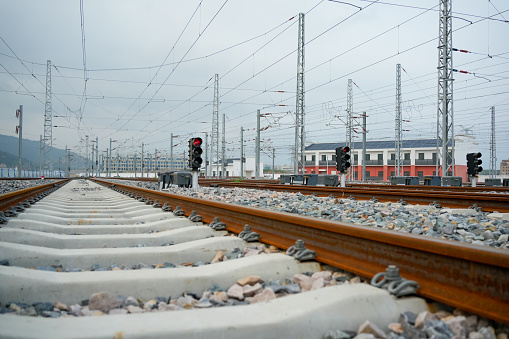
453, 199
13, 198
469, 277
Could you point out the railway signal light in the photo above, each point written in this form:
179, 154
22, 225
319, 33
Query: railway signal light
473, 162
342, 159
195, 152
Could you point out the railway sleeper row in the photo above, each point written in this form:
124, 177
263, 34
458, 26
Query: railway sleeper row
83, 229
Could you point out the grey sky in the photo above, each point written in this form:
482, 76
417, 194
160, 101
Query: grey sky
139, 88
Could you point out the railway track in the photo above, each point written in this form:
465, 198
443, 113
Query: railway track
471, 278
489, 199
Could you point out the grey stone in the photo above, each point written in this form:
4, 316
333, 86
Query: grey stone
437, 329
336, 334
368, 327
41, 307
103, 301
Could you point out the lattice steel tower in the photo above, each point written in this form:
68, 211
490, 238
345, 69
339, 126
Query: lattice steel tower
445, 122
493, 151
214, 138
349, 126
47, 147
399, 125
299, 160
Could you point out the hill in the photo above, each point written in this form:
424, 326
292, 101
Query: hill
9, 147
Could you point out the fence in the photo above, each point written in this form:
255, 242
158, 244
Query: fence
14, 173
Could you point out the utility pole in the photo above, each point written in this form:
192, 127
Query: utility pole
97, 157
142, 160
67, 162
445, 123
206, 157
257, 146
299, 160
19, 131
86, 157
214, 138
223, 151
349, 125
109, 162
242, 152
48, 126
364, 131
273, 160
493, 152
41, 165
171, 152
399, 128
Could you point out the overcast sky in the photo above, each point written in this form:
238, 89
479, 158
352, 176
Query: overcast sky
150, 69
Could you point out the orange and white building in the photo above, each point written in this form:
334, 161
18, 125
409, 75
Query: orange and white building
419, 158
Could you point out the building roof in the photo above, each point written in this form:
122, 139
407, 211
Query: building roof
381, 144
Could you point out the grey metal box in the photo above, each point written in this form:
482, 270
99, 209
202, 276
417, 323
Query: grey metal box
505, 182
328, 180
404, 180
285, 179
451, 181
492, 182
297, 179
432, 180
182, 179
311, 179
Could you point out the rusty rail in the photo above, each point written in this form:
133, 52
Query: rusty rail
13, 198
447, 198
469, 277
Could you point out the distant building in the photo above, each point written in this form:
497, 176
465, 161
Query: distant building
419, 158
150, 163
232, 168
504, 168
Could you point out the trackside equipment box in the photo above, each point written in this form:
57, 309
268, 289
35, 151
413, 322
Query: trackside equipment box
327, 180
492, 182
311, 179
451, 181
405, 180
432, 180
182, 179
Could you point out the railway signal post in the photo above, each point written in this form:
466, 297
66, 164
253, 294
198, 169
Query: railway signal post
473, 168
342, 163
195, 159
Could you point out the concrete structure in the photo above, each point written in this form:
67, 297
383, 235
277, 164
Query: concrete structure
133, 162
504, 168
419, 158
232, 168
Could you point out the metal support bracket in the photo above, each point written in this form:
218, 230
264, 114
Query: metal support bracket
391, 281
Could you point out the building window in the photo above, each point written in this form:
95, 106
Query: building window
368, 157
355, 157
367, 174
334, 157
324, 158
407, 156
407, 173
421, 156
380, 157
393, 173
393, 156
420, 174
380, 174
313, 158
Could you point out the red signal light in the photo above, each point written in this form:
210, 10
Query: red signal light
197, 142
346, 149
